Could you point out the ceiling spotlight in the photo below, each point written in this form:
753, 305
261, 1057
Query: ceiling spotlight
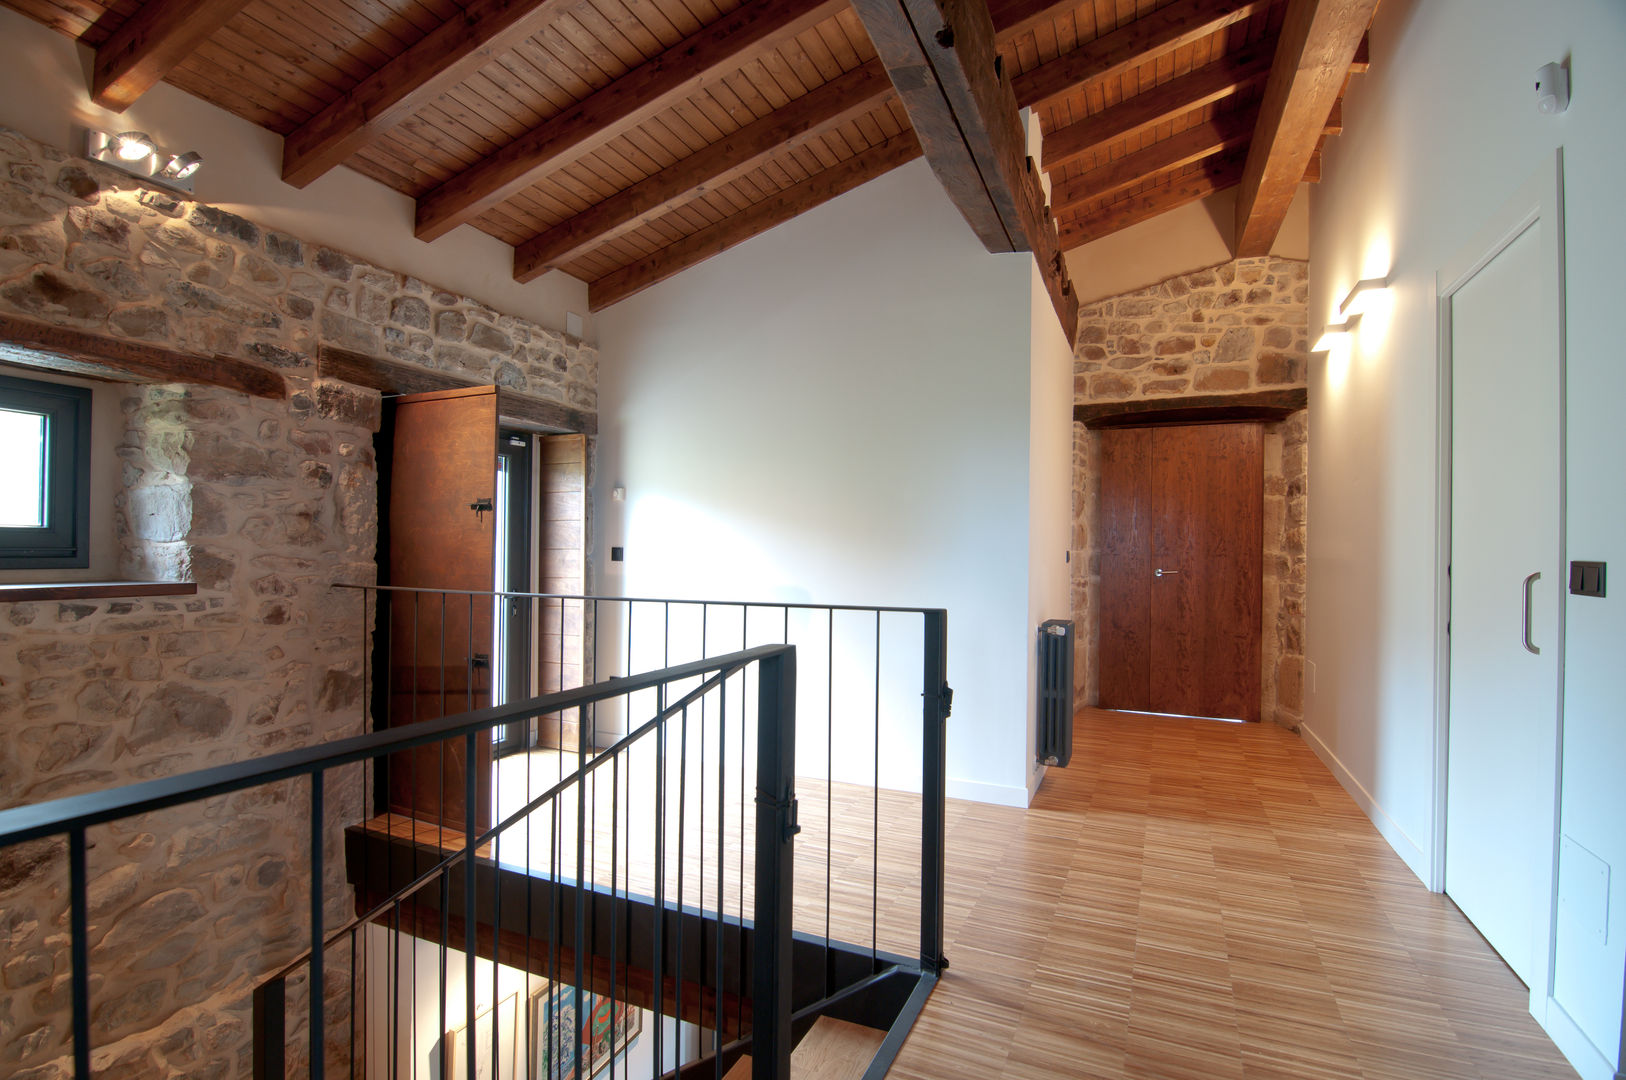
132, 145
182, 165
1360, 293
1334, 333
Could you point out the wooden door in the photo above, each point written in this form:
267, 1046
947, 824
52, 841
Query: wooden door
1181, 546
443, 464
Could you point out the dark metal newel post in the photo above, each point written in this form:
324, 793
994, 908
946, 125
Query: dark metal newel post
776, 827
78, 883
270, 1030
936, 699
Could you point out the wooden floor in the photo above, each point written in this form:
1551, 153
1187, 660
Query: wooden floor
1199, 899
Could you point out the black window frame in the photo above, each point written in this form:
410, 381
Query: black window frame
64, 542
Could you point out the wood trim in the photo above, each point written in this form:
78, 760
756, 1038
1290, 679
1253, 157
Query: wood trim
31, 344
777, 208
1190, 145
782, 131
1313, 57
1266, 406
1162, 103
150, 43
1114, 53
93, 590
447, 56
392, 377
645, 91
1219, 173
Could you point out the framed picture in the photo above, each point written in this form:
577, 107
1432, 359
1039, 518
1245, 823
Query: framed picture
506, 1015
607, 1031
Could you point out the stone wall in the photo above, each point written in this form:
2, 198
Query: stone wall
265, 505
85, 246
1233, 328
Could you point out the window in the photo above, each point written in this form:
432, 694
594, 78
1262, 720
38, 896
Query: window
44, 475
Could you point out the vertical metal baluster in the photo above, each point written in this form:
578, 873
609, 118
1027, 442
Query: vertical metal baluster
445, 966
722, 915
318, 1056
660, 882
353, 1002
79, 934
775, 874
829, 786
393, 964
582, 877
683, 828
875, 811
615, 837
470, 923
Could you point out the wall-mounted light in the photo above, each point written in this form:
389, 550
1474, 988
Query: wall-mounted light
1361, 294
136, 153
132, 145
1333, 333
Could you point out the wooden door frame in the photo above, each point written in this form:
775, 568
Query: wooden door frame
1537, 203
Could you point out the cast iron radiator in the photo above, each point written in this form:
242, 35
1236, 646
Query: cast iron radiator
1055, 713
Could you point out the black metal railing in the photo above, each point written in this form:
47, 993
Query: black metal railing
575, 940
872, 702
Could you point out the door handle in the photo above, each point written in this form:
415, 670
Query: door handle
1528, 582
1160, 572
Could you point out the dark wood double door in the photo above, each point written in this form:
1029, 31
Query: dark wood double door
1180, 541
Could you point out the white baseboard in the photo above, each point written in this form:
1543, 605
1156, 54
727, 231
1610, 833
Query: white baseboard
1574, 1045
998, 794
1413, 856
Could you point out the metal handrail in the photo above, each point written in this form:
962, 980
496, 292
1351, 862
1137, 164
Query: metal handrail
792, 605
57, 816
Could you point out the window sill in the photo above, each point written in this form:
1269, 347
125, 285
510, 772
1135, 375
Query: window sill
93, 590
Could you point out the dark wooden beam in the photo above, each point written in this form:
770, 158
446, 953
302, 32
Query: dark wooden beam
392, 377
647, 90
1266, 405
150, 43
782, 131
30, 344
1313, 57
446, 56
1162, 103
780, 207
1160, 31
1193, 144
1218, 174
919, 44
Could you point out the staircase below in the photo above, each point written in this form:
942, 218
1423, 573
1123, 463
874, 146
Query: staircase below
832, 1050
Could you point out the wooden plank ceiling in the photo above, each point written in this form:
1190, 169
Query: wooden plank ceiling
622, 141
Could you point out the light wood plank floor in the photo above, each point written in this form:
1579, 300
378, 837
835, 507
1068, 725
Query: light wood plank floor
1198, 899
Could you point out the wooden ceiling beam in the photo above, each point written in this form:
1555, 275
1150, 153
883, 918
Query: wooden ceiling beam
784, 130
1162, 30
448, 55
657, 84
152, 42
777, 208
920, 46
1218, 174
1313, 57
1013, 18
1193, 144
1162, 103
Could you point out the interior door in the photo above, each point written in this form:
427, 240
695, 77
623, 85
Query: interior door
1505, 593
442, 488
1181, 528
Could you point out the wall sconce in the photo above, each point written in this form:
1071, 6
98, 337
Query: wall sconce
136, 153
1333, 333
1360, 295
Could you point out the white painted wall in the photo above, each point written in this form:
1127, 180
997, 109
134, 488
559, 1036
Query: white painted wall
1050, 488
1189, 238
1437, 136
839, 411
44, 94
